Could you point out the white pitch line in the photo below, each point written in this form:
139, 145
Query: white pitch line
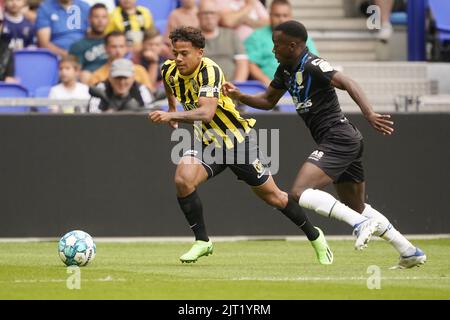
334, 278
219, 239
106, 279
268, 279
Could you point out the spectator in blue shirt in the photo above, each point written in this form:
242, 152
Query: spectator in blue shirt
60, 23
17, 30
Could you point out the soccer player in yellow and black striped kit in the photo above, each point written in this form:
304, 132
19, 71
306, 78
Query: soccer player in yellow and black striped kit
195, 81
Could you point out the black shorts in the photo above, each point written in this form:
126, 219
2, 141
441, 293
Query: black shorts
244, 160
339, 154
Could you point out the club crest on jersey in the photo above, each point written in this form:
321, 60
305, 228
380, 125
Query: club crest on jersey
299, 77
172, 81
194, 84
258, 166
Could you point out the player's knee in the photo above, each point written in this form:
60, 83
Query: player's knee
183, 183
276, 199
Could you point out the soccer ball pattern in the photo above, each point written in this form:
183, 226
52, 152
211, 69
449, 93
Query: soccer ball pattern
76, 248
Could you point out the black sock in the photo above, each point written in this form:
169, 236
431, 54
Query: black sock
296, 214
193, 210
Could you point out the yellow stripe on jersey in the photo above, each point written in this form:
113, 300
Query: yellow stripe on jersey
206, 81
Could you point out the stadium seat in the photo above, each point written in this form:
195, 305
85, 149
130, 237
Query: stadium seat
36, 68
441, 12
42, 92
399, 18
250, 86
12, 90
160, 9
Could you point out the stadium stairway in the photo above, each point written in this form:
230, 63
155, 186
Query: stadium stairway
351, 47
337, 36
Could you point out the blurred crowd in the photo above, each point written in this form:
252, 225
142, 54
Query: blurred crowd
90, 36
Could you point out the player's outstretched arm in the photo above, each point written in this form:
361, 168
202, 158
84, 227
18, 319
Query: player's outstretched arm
264, 101
205, 113
380, 122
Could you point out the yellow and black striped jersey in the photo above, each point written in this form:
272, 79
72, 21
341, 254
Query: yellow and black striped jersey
206, 81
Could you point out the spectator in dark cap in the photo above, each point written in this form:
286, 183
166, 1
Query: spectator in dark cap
120, 92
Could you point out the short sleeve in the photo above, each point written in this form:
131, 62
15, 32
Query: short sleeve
278, 82
239, 50
320, 70
43, 19
210, 82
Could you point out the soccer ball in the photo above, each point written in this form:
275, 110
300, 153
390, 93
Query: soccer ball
76, 248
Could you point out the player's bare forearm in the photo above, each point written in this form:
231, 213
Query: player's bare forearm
258, 101
262, 101
192, 116
205, 113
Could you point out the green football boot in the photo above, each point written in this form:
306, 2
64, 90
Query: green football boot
199, 249
323, 251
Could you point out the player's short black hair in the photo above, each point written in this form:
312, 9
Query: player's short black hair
293, 29
188, 34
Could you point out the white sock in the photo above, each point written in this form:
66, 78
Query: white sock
389, 233
326, 205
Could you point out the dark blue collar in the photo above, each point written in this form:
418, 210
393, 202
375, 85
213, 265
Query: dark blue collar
303, 57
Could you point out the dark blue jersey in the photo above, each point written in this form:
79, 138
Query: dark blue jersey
315, 99
19, 32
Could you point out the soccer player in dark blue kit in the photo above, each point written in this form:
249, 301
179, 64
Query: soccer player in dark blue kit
311, 81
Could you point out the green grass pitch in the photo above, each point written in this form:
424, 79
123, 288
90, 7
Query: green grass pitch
237, 270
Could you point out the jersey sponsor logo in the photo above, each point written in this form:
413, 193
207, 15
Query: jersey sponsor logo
302, 107
209, 89
323, 65
316, 155
259, 167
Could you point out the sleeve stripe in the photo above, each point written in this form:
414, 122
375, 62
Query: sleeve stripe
205, 78
217, 77
182, 90
164, 70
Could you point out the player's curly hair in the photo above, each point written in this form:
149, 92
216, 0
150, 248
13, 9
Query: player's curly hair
188, 34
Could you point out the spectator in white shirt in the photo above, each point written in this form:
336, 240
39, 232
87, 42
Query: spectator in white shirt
70, 87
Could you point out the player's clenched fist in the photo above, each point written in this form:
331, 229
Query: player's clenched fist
231, 91
162, 117
159, 116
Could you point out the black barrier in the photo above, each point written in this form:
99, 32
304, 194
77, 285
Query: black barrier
111, 175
